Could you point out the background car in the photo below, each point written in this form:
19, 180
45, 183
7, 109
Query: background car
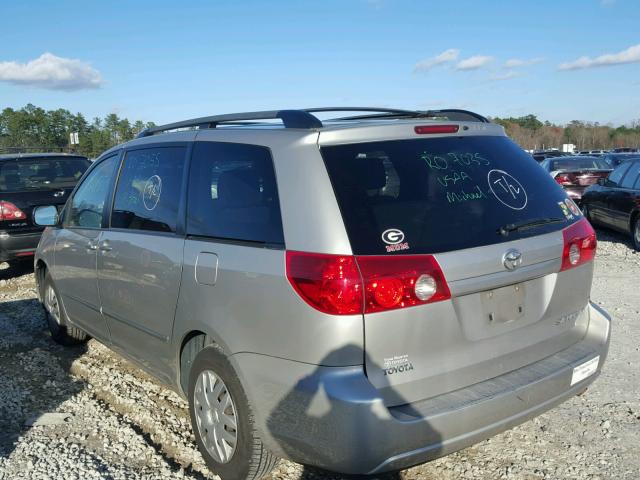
576, 173
26, 181
615, 159
540, 155
614, 202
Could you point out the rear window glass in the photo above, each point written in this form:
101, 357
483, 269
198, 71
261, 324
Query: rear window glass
572, 163
441, 194
41, 173
630, 178
615, 160
614, 177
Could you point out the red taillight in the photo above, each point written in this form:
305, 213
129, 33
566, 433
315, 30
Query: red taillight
579, 244
345, 285
329, 283
563, 179
427, 129
401, 281
8, 211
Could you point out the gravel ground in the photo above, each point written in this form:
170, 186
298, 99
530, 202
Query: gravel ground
107, 419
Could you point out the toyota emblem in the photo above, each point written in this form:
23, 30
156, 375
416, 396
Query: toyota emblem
512, 259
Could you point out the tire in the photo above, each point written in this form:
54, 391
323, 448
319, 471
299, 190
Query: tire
248, 458
635, 233
61, 331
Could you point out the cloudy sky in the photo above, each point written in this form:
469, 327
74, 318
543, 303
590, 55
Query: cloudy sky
164, 61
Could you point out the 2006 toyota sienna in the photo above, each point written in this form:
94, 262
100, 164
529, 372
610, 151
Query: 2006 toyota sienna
360, 294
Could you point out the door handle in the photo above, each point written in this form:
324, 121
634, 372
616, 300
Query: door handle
92, 246
105, 247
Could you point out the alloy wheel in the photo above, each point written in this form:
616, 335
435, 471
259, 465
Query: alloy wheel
51, 303
216, 416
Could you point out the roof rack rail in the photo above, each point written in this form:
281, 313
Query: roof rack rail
304, 118
450, 113
382, 111
290, 119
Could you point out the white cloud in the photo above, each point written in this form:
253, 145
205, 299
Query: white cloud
51, 72
607, 3
505, 76
630, 55
447, 56
517, 62
474, 63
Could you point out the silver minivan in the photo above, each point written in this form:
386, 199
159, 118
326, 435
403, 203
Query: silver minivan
360, 294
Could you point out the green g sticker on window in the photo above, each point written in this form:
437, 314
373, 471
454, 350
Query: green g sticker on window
565, 210
573, 207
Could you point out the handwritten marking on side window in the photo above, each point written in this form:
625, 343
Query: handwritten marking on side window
152, 191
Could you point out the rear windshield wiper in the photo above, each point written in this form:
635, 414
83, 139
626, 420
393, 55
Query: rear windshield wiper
525, 224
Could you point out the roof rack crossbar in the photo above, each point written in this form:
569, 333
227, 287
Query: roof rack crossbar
290, 119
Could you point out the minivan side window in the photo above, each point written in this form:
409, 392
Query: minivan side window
87, 205
614, 177
149, 189
233, 194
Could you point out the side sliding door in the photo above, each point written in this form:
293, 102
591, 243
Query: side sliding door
140, 254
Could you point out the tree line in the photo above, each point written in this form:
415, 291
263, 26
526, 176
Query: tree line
532, 134
33, 129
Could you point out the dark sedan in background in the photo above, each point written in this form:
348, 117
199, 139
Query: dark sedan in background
614, 201
26, 181
576, 173
615, 159
540, 155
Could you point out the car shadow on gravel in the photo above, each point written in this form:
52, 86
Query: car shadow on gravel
334, 405
15, 269
35, 376
607, 235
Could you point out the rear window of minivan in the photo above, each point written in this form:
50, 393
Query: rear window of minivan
441, 194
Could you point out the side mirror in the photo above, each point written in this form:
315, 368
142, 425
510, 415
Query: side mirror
45, 216
602, 181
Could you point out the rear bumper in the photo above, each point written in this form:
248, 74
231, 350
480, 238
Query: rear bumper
333, 417
15, 245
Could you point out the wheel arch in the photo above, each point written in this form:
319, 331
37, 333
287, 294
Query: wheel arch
40, 270
191, 344
632, 219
